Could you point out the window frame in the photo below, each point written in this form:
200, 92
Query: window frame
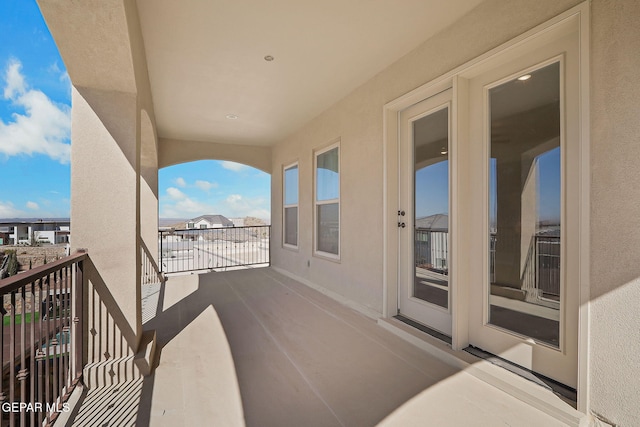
316, 252
296, 205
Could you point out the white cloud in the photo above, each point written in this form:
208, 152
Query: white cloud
15, 84
233, 166
7, 210
180, 182
233, 206
206, 185
43, 128
185, 208
63, 76
176, 194
33, 206
236, 205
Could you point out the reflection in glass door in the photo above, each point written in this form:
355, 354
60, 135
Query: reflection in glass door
431, 208
525, 205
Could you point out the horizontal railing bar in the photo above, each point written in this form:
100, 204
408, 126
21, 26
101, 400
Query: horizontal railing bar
170, 230
13, 283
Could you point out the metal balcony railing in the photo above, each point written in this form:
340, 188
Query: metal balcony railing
41, 341
214, 248
542, 269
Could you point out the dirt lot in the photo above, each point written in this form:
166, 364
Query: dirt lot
35, 254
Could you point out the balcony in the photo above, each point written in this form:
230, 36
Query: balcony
255, 347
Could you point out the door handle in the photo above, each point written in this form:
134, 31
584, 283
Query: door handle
402, 224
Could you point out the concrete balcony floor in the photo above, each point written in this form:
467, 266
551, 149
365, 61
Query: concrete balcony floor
256, 348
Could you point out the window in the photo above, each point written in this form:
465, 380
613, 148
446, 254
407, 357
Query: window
190, 225
327, 201
203, 225
290, 206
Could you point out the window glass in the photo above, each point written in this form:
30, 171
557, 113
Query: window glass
328, 228
327, 175
291, 226
291, 185
327, 201
290, 218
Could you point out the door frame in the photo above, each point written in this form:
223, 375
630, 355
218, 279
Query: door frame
456, 79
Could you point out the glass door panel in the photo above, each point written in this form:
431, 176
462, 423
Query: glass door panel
525, 205
431, 208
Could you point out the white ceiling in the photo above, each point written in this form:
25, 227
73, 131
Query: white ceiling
206, 59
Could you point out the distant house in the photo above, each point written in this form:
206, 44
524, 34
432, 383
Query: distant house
28, 231
4, 235
209, 221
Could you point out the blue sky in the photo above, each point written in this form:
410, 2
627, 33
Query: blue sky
432, 185
35, 129
214, 187
35, 120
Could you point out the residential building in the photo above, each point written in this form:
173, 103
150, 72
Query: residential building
209, 221
531, 106
41, 231
4, 235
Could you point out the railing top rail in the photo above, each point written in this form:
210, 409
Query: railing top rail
13, 283
172, 230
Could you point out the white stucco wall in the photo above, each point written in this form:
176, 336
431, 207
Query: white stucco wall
614, 336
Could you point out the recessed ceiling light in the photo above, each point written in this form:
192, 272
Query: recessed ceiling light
269, 58
525, 77
232, 116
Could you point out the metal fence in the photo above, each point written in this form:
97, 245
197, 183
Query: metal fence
548, 265
432, 250
542, 268
41, 341
214, 248
543, 259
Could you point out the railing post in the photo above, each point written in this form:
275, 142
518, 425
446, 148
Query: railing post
269, 239
161, 251
78, 319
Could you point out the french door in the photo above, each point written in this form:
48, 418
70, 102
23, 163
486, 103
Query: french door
424, 256
492, 180
524, 181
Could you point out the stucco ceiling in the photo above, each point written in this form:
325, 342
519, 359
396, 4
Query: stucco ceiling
206, 59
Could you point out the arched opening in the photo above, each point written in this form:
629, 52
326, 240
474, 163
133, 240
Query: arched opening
213, 215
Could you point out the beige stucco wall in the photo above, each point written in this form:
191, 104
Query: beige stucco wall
615, 211
614, 336
114, 159
357, 121
104, 199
